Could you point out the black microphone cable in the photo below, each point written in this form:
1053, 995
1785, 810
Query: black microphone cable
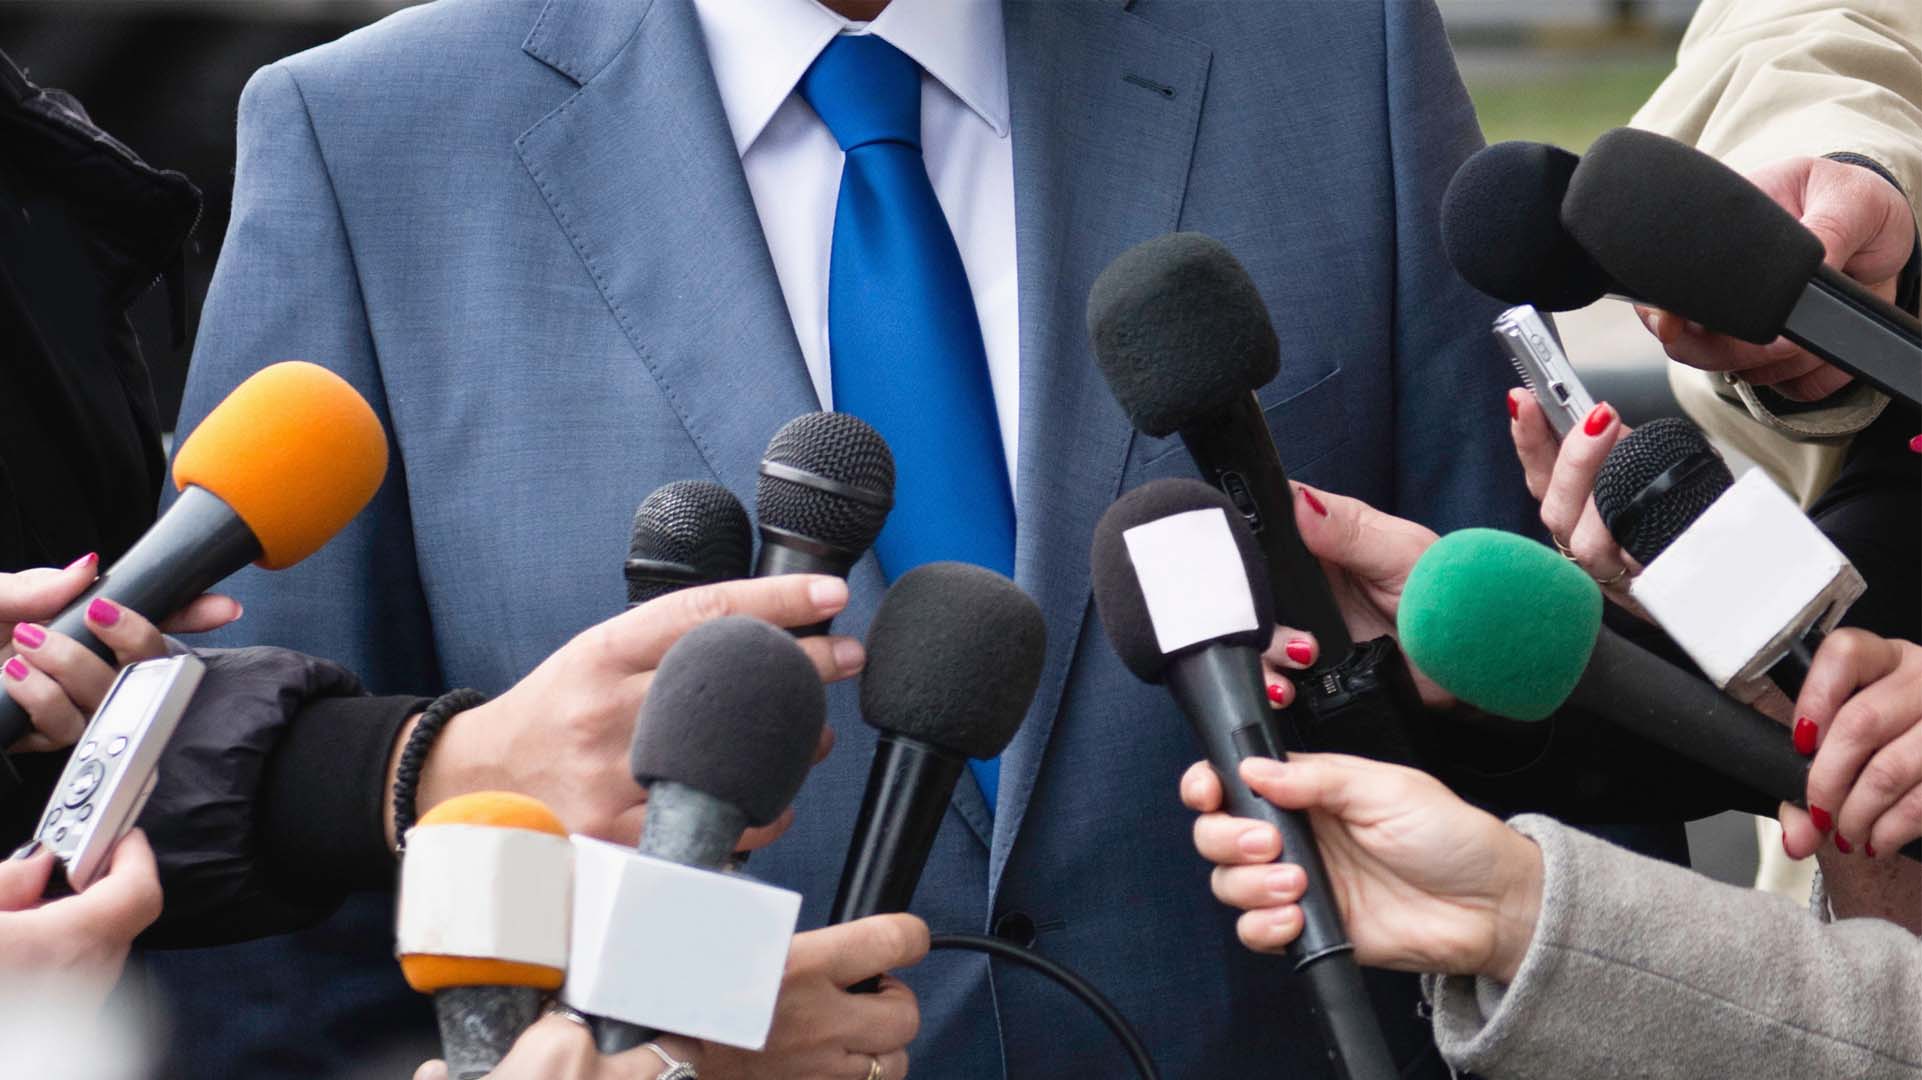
1081, 988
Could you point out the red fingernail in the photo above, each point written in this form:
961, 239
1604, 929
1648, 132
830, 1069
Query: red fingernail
1313, 503
1821, 818
29, 636
83, 560
1868, 849
16, 668
1842, 844
1300, 651
1805, 736
1915, 444
1277, 693
102, 612
1598, 419
1515, 409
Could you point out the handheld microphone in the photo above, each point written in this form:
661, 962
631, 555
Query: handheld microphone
689, 532
954, 655
723, 742
270, 475
1730, 258
1461, 625
483, 920
1734, 571
1181, 587
1181, 334
826, 486
1501, 226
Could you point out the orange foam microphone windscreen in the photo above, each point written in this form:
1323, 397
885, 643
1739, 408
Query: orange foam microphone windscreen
428, 972
295, 451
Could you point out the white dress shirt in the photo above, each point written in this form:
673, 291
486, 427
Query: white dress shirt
759, 50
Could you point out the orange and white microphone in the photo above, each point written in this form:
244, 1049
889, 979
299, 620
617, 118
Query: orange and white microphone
270, 475
485, 891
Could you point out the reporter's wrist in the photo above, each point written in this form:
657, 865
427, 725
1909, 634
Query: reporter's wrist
1518, 908
459, 761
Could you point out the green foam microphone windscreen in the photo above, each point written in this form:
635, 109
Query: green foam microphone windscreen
1500, 621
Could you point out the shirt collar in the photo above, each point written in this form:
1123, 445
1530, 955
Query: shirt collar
759, 50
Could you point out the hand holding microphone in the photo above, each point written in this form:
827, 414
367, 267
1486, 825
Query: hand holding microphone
1863, 700
56, 679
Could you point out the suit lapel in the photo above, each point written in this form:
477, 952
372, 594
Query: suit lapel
1104, 111
642, 175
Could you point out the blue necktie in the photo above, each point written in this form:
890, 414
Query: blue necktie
905, 345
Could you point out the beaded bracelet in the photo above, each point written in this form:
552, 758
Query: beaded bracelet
414, 755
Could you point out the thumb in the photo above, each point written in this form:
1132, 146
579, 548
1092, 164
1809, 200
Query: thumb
1357, 537
1350, 788
868, 947
39, 594
22, 881
1866, 226
434, 1069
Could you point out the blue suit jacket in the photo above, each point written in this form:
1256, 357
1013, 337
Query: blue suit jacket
521, 229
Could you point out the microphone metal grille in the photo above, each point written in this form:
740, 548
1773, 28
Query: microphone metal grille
1646, 529
697, 523
839, 448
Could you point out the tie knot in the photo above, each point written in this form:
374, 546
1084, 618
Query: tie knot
866, 91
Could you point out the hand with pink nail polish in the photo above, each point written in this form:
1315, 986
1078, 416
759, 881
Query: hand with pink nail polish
56, 679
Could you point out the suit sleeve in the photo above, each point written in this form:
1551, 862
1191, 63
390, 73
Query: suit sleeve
1639, 968
1758, 81
1454, 463
286, 288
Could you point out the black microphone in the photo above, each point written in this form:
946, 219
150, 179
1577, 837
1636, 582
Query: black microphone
1462, 624
954, 655
1707, 542
1184, 340
826, 486
723, 742
1182, 591
689, 532
1501, 226
270, 475
1693, 236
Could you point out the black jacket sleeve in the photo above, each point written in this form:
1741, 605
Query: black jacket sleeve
273, 767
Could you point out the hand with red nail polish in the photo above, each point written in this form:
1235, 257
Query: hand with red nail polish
1366, 556
57, 680
1561, 476
1860, 716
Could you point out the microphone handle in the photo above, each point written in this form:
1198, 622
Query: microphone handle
909, 786
784, 552
195, 544
688, 826
478, 1025
1639, 692
1219, 688
1854, 329
1236, 453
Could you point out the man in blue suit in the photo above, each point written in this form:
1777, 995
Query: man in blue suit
574, 249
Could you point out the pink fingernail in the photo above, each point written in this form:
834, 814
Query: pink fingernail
16, 669
103, 612
29, 636
83, 560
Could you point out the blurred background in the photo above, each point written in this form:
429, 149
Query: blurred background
164, 76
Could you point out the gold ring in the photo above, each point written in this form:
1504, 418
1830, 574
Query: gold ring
1612, 580
874, 1069
1563, 548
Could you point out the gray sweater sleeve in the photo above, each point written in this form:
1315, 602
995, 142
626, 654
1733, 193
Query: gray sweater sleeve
1643, 969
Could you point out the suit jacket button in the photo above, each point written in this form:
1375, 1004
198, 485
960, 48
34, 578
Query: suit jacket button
1015, 927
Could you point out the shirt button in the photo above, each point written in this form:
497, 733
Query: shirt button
1016, 928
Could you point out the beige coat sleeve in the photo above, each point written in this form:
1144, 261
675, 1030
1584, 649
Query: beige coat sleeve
1643, 969
1756, 81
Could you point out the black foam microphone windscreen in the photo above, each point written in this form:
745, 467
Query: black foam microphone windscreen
1685, 231
1119, 599
1655, 482
689, 532
1501, 226
1179, 330
954, 655
735, 710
